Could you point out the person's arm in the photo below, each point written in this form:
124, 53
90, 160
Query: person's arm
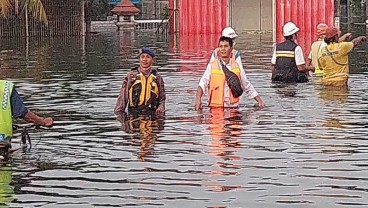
198, 99
273, 60
299, 60
304, 68
20, 111
249, 90
345, 37
202, 87
123, 97
309, 59
36, 119
260, 102
358, 40
161, 95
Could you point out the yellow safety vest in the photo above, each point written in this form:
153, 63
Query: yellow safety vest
143, 91
6, 120
6, 189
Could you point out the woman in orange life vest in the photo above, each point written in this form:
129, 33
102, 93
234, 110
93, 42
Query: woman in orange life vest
213, 82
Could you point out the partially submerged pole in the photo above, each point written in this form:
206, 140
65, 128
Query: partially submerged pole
83, 19
348, 14
366, 16
26, 20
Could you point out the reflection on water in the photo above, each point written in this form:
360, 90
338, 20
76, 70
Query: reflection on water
307, 148
144, 130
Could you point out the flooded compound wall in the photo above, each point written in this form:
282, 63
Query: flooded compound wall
306, 14
64, 18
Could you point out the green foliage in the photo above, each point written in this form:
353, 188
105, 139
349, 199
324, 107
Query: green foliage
356, 5
99, 9
33, 7
165, 13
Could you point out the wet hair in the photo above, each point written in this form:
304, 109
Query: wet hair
227, 39
289, 37
330, 40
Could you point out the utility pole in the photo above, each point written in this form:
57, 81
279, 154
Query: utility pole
83, 19
26, 20
366, 16
349, 15
176, 16
156, 10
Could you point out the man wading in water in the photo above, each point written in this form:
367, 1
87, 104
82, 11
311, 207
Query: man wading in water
215, 84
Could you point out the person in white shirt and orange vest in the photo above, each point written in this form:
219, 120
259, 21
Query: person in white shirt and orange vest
214, 83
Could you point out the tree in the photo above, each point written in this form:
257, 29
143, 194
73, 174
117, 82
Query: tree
32, 7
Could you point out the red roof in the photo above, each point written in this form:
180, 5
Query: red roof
125, 7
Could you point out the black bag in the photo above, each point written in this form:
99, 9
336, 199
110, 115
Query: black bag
233, 81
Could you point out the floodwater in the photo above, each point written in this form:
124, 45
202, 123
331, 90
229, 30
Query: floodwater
307, 148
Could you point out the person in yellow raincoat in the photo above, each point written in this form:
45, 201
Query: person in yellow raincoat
334, 58
318, 45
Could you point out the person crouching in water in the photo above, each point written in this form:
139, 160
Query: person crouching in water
288, 64
334, 59
143, 90
214, 82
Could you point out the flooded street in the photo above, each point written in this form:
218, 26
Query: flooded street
307, 148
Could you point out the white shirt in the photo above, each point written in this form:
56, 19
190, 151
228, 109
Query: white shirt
299, 56
248, 88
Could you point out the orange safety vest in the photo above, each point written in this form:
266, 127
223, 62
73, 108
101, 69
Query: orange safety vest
217, 84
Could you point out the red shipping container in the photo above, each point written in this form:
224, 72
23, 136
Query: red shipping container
211, 16
200, 16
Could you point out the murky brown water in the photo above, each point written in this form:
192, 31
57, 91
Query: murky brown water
307, 148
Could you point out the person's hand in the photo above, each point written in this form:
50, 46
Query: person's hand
48, 122
160, 110
198, 105
348, 36
261, 104
309, 68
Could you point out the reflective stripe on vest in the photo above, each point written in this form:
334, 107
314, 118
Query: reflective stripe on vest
6, 122
143, 87
285, 54
217, 84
